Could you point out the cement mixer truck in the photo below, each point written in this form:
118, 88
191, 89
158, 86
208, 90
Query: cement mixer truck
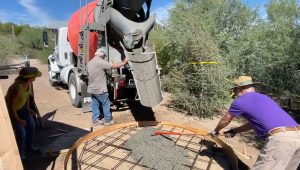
121, 27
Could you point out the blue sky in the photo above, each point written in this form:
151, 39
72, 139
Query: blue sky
57, 12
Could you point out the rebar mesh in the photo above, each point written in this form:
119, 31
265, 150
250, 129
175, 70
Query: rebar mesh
107, 151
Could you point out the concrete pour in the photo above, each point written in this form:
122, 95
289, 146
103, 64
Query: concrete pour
157, 152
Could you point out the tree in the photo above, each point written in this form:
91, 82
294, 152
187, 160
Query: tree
265, 51
200, 31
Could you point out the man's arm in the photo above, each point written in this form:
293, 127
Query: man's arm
243, 128
232, 132
226, 119
118, 65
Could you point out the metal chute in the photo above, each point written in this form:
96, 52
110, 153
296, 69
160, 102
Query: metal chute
132, 32
128, 8
146, 77
143, 61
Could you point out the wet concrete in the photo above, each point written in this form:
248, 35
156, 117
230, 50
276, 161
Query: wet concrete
157, 152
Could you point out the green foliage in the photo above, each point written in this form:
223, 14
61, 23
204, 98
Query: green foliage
283, 11
198, 89
266, 50
166, 50
26, 40
6, 28
230, 33
33, 41
199, 31
283, 16
8, 49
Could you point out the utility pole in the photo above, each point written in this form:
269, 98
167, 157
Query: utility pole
13, 32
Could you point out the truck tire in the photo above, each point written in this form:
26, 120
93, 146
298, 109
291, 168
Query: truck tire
52, 82
74, 95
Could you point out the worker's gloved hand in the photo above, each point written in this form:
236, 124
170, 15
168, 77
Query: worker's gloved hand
230, 133
213, 133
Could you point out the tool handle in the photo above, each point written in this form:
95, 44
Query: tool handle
166, 133
178, 133
36, 110
175, 133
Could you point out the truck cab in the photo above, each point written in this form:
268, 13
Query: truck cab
62, 59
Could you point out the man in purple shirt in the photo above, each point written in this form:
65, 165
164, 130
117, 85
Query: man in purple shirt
269, 121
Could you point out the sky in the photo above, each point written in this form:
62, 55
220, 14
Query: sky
55, 13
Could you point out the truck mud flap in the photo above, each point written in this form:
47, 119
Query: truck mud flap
146, 76
86, 99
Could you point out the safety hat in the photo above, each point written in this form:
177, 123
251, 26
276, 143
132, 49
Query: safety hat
243, 81
29, 72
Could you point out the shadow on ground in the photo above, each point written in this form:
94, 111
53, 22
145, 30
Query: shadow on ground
252, 139
140, 112
56, 136
219, 156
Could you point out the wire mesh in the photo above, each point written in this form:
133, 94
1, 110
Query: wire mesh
107, 151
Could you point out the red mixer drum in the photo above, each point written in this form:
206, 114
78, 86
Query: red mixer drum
74, 27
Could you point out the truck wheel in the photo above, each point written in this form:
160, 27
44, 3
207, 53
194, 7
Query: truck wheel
52, 82
74, 96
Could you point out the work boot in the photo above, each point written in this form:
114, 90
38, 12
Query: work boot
112, 122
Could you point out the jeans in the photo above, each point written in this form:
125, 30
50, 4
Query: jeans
25, 135
102, 99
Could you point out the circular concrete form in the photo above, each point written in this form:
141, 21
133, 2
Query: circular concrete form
113, 147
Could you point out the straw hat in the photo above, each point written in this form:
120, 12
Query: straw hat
29, 72
243, 81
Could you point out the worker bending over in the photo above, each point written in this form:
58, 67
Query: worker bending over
280, 131
17, 101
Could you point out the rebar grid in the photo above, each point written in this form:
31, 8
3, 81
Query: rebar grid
106, 147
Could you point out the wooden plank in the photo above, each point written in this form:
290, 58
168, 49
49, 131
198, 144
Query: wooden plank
9, 154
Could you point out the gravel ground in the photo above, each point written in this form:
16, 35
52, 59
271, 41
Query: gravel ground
157, 152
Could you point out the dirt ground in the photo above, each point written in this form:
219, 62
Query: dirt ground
65, 124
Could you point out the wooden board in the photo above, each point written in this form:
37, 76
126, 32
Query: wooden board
9, 154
